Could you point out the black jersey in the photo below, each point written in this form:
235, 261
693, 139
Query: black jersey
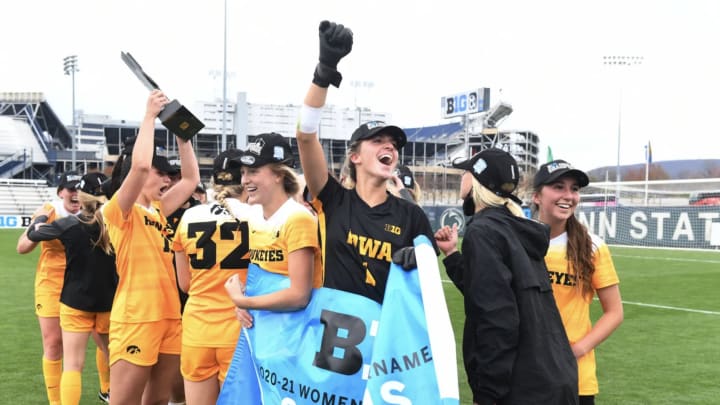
90, 277
358, 240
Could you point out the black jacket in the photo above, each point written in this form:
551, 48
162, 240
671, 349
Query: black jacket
515, 348
90, 277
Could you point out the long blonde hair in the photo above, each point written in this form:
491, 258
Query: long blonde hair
90, 208
223, 192
486, 198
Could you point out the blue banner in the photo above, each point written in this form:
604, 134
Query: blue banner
343, 348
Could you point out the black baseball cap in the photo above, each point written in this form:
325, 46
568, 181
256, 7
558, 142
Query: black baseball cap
160, 163
175, 164
552, 171
495, 169
226, 167
69, 180
268, 148
406, 176
92, 183
372, 128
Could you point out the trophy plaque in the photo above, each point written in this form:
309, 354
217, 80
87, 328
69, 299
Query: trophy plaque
175, 117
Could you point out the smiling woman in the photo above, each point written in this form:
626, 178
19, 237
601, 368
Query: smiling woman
49, 280
365, 210
284, 237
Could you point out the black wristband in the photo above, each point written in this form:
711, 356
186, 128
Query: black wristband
324, 76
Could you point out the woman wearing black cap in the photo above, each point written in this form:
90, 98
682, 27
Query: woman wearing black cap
514, 345
367, 211
579, 265
145, 329
283, 235
211, 244
89, 283
49, 281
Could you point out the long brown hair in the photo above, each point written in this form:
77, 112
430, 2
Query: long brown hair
580, 254
579, 251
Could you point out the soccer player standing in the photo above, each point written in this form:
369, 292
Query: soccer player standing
145, 328
580, 266
366, 212
49, 280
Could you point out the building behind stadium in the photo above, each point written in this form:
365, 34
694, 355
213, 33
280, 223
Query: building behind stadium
35, 144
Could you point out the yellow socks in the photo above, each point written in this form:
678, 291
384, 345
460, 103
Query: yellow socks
71, 387
52, 371
103, 369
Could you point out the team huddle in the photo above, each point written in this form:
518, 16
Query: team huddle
158, 278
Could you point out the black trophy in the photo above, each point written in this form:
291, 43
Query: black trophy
175, 117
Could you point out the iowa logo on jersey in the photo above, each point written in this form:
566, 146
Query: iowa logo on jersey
366, 246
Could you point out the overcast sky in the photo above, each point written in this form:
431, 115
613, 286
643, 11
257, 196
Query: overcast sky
545, 58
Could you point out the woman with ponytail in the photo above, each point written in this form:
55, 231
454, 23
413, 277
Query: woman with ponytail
580, 266
89, 283
514, 345
211, 244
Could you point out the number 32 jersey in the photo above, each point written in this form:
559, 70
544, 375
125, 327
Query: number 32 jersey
217, 246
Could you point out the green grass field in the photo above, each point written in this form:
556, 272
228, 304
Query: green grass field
667, 351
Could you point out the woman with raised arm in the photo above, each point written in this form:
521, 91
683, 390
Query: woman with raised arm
580, 266
145, 329
362, 226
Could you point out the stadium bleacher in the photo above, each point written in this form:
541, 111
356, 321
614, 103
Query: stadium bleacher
23, 197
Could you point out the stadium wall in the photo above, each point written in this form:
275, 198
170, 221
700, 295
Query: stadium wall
667, 227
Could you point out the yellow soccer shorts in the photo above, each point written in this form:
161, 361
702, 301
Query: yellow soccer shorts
142, 343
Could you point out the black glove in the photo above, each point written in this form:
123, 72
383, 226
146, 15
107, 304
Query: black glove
336, 41
405, 257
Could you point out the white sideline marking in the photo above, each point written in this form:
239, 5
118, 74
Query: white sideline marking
698, 311
672, 259
641, 304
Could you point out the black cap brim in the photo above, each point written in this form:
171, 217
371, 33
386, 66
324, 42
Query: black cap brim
162, 164
396, 132
579, 175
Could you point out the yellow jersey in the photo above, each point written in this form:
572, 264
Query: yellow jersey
574, 308
147, 289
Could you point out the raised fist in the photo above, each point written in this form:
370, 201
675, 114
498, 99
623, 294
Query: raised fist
336, 41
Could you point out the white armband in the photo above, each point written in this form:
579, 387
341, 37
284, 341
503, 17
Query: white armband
309, 120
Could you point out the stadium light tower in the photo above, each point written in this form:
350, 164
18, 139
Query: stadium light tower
623, 62
356, 84
70, 66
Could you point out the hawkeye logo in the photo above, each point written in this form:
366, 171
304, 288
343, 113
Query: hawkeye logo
132, 349
375, 249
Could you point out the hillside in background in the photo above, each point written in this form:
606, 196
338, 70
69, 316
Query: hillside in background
663, 170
